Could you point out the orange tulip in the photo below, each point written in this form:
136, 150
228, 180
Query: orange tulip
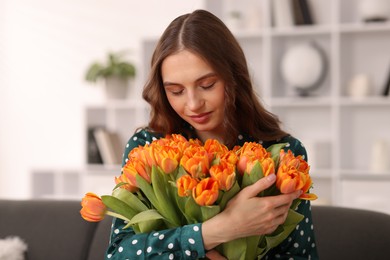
167, 158
293, 174
268, 166
143, 154
128, 179
135, 166
252, 152
93, 209
195, 161
224, 173
214, 149
177, 141
185, 185
206, 192
230, 157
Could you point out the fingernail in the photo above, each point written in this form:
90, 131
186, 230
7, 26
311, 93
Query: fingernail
271, 177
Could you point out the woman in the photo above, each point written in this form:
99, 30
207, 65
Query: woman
199, 86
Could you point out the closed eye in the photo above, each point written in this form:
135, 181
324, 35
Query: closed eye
208, 86
176, 92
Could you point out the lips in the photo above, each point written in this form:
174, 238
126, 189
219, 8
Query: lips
201, 118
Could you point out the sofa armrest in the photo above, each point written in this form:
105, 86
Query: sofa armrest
52, 229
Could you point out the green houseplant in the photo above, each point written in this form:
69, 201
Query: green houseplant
116, 73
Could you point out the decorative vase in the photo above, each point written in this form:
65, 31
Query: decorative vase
359, 86
374, 10
380, 157
116, 88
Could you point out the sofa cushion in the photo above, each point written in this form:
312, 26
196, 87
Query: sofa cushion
51, 229
346, 233
100, 240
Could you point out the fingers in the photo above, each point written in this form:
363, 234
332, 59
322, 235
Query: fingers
286, 199
262, 184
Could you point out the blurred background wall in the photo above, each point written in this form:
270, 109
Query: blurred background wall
45, 48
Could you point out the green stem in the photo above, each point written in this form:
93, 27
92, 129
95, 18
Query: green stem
116, 215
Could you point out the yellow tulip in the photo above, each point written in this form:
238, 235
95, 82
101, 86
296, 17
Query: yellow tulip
93, 209
206, 192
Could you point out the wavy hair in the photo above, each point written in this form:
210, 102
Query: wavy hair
206, 35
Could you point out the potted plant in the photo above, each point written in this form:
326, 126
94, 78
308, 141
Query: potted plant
116, 73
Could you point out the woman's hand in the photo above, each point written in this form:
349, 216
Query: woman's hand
248, 215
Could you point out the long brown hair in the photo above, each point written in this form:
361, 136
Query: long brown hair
206, 35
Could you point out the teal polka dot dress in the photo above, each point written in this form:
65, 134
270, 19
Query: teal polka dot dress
186, 242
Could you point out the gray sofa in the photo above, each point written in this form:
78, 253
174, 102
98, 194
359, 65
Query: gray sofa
54, 230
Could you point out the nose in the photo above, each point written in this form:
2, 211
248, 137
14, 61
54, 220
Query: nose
195, 101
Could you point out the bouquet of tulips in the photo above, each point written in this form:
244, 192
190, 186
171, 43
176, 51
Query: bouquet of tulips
173, 181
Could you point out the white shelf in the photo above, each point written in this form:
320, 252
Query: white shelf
302, 30
301, 102
364, 27
346, 126
359, 175
368, 101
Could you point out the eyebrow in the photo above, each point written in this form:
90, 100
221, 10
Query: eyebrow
208, 75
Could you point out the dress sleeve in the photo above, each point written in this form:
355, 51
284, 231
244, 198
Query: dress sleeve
179, 243
301, 243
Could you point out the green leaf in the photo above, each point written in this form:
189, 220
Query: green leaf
275, 152
275, 148
209, 211
181, 202
252, 243
235, 249
255, 175
146, 221
181, 171
119, 206
130, 199
147, 215
161, 188
193, 211
282, 232
152, 225
147, 189
228, 195
256, 172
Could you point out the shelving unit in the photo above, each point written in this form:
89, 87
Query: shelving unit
338, 130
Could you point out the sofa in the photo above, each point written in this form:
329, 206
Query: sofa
53, 229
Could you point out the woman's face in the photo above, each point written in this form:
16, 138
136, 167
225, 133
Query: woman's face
195, 92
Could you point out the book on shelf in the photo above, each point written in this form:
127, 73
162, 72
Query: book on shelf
302, 12
109, 146
386, 89
282, 13
93, 153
